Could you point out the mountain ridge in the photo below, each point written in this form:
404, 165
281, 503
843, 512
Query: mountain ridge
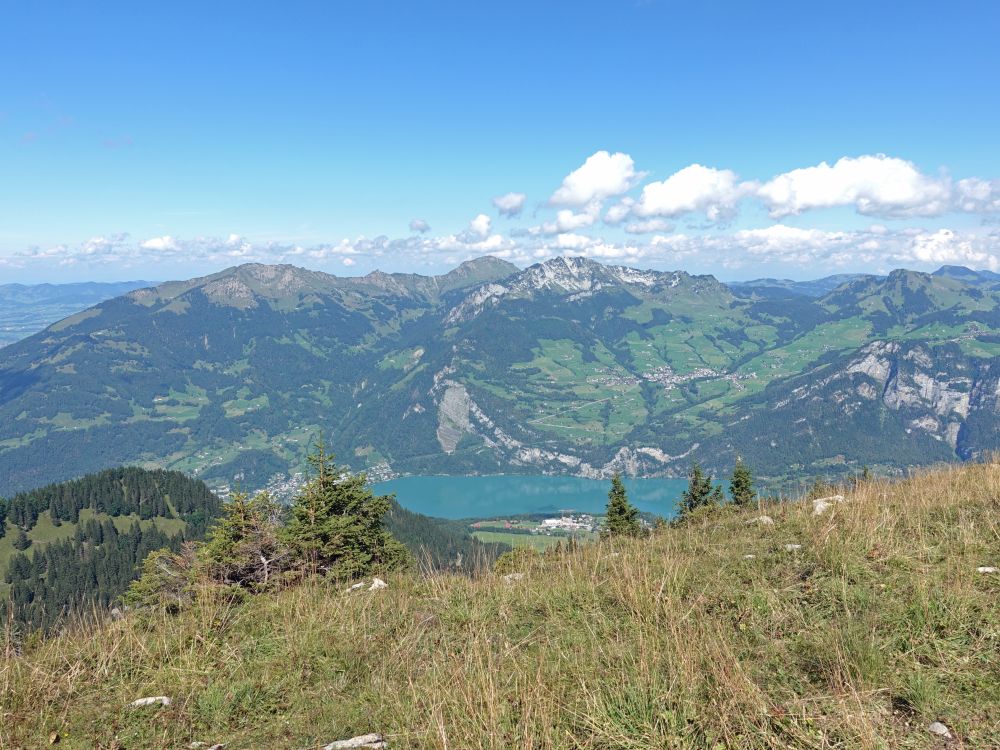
567, 366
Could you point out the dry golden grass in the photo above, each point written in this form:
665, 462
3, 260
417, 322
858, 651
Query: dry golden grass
877, 626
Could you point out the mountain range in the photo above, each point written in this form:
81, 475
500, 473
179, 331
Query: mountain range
568, 366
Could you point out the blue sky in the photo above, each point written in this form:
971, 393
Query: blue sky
170, 140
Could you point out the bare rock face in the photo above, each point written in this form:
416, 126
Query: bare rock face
453, 417
875, 363
575, 278
231, 291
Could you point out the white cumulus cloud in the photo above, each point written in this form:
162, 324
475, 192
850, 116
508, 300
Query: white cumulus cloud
975, 195
481, 225
876, 185
947, 247
160, 243
619, 212
601, 176
419, 225
510, 204
696, 188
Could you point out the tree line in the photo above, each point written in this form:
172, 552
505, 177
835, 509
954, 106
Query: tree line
122, 491
622, 518
334, 528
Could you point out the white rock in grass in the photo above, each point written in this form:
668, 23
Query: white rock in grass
940, 730
792, 547
749, 557
355, 587
761, 521
363, 742
511, 577
987, 569
157, 700
377, 583
822, 504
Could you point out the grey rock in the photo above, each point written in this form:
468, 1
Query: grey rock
364, 741
511, 577
987, 569
378, 583
940, 730
792, 547
822, 504
453, 417
157, 700
761, 521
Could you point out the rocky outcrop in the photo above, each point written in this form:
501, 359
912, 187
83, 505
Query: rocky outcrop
576, 278
937, 391
453, 417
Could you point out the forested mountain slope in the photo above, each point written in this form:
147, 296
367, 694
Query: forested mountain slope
78, 544
568, 366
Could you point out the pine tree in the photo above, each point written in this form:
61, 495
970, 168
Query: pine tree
700, 492
741, 485
245, 545
21, 541
622, 517
335, 523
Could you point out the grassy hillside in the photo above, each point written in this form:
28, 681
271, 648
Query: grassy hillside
568, 365
877, 626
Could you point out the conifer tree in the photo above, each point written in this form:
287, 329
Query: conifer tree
622, 517
335, 523
741, 485
700, 491
21, 541
245, 545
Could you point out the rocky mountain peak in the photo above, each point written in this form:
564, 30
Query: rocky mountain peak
573, 277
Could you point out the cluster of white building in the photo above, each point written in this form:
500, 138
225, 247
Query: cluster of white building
566, 523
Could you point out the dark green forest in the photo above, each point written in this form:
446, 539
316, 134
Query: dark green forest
116, 518
128, 513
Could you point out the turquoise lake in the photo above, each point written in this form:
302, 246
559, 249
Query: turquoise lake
505, 495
